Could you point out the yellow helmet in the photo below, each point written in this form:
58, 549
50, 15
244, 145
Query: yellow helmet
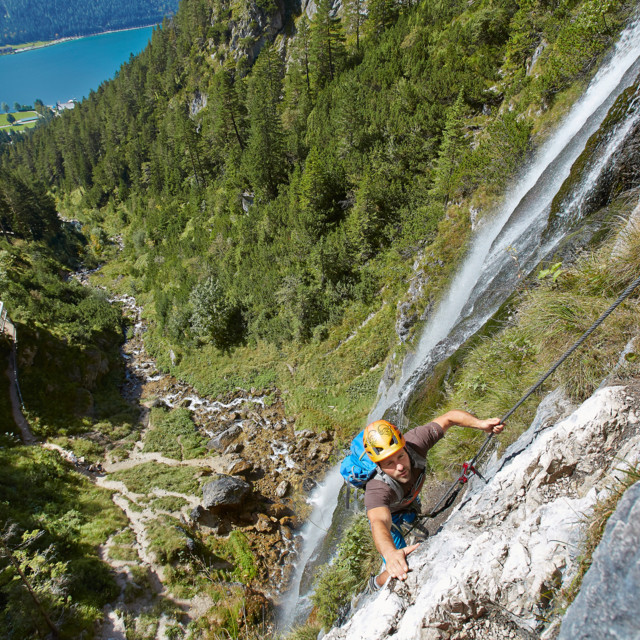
381, 440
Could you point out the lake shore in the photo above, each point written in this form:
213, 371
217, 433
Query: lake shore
72, 70
50, 43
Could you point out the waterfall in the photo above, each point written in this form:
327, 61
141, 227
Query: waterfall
488, 273
295, 609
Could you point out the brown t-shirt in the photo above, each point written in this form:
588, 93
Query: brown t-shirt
380, 494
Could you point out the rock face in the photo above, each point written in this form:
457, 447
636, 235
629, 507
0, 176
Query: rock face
407, 310
257, 27
607, 605
512, 543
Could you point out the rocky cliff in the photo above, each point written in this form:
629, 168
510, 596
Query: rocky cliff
496, 566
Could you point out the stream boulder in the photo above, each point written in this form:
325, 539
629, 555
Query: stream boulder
283, 488
222, 440
224, 491
239, 466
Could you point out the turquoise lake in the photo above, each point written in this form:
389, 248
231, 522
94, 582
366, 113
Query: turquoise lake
67, 70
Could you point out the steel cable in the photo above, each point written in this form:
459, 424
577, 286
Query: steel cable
449, 496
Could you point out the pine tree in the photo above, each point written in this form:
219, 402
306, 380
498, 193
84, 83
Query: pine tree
298, 99
302, 51
264, 158
226, 113
382, 14
297, 106
327, 44
355, 16
451, 151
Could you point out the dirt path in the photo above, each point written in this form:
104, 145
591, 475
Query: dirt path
139, 514
253, 415
16, 406
217, 464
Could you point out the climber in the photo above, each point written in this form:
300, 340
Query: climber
391, 496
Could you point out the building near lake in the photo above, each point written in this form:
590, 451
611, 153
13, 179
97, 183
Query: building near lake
63, 106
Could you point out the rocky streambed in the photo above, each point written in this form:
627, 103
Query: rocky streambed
252, 471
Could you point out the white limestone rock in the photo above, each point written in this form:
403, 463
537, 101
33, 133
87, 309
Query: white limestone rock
511, 542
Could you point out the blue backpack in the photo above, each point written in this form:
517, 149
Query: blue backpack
358, 468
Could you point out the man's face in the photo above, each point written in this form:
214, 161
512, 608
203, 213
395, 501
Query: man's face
398, 466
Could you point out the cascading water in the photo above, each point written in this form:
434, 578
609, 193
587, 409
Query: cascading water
295, 609
489, 273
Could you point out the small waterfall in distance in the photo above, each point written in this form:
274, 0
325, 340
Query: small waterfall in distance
296, 605
488, 274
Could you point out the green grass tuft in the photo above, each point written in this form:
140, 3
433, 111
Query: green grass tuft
174, 434
145, 477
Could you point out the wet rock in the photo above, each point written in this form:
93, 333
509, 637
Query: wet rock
264, 524
407, 317
224, 491
222, 440
283, 488
308, 484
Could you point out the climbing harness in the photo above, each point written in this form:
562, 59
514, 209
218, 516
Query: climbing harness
469, 468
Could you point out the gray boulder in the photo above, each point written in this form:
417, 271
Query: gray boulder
283, 488
220, 442
224, 491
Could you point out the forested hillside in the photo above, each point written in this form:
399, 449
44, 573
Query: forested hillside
22, 22
268, 182
270, 206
